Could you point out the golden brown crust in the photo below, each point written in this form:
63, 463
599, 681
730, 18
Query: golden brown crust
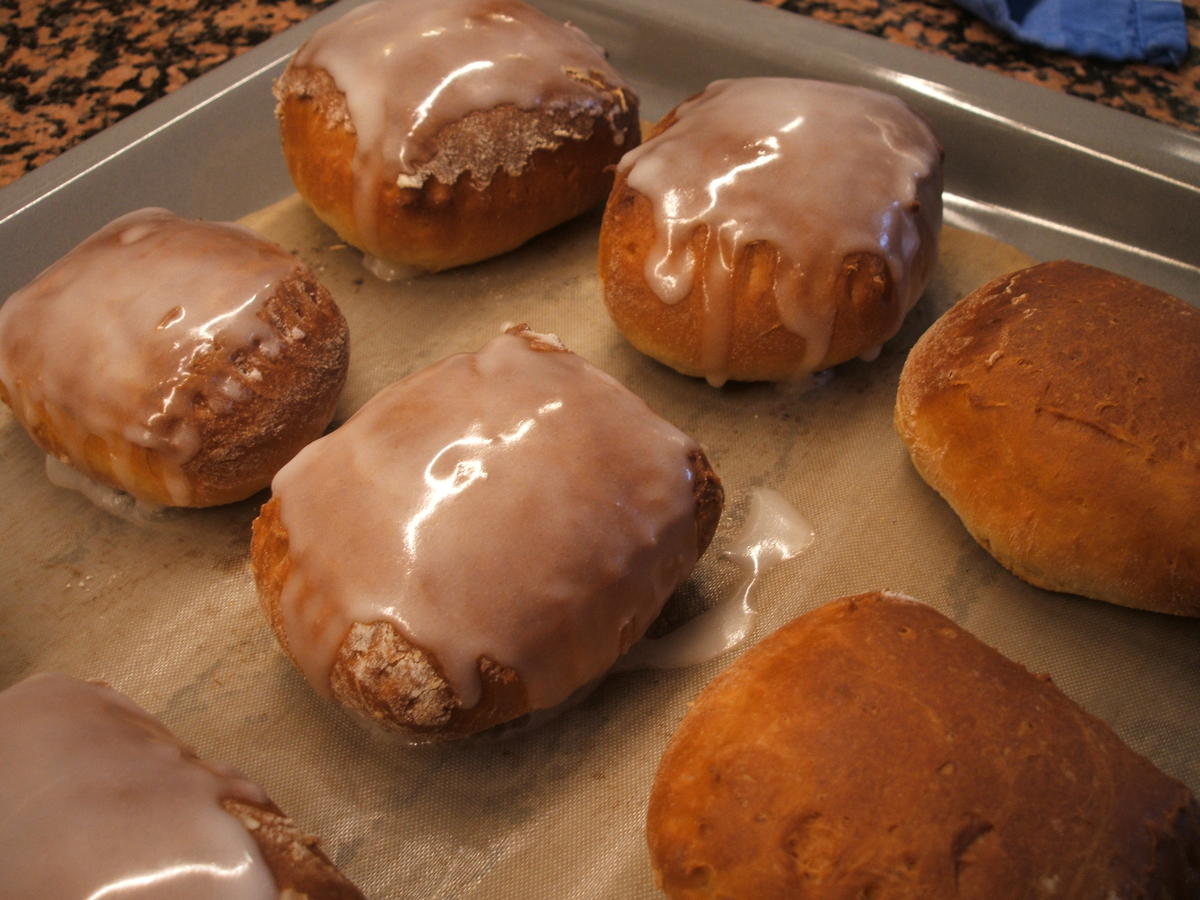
872, 748
501, 177
1055, 410
296, 860
287, 400
761, 348
379, 674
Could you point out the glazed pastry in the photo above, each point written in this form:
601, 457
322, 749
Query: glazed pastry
179, 361
872, 748
769, 228
430, 135
481, 539
101, 800
1055, 409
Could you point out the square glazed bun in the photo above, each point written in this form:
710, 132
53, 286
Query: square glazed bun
482, 539
872, 748
1056, 410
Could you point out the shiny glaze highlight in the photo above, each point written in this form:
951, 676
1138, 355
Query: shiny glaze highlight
102, 801
514, 504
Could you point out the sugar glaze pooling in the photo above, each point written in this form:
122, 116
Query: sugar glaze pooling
773, 532
818, 170
113, 501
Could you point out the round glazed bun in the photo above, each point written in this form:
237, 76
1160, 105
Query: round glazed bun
430, 135
872, 748
180, 361
1055, 409
99, 795
481, 540
769, 228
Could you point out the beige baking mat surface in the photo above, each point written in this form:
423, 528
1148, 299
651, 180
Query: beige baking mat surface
167, 613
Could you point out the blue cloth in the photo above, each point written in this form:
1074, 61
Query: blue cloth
1149, 30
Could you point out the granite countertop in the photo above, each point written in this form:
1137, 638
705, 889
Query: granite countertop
69, 69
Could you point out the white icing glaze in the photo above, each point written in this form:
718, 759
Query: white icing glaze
408, 68
112, 501
871, 353
818, 170
386, 271
515, 504
104, 342
772, 533
101, 801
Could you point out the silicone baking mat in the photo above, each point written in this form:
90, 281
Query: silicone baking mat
167, 611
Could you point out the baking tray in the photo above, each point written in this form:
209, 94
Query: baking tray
1056, 174
168, 613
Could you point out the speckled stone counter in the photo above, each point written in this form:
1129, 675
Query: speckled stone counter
69, 69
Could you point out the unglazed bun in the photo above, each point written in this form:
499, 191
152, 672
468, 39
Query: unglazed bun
180, 361
430, 135
1056, 410
769, 228
872, 748
99, 794
481, 540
